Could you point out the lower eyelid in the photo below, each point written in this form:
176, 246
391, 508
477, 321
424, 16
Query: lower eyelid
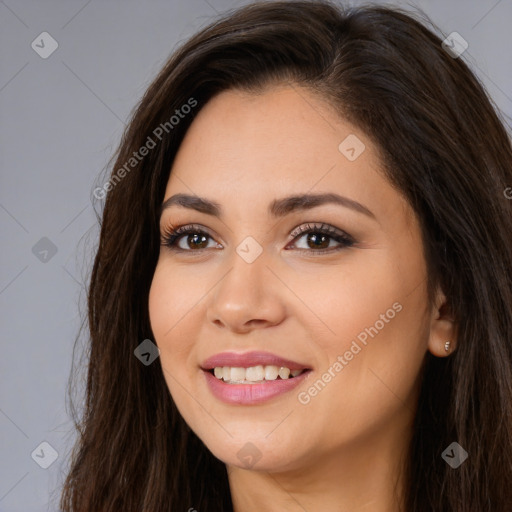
342, 243
343, 239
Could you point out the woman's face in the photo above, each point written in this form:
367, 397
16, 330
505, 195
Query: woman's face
348, 306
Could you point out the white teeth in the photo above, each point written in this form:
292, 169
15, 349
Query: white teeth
254, 373
271, 372
239, 375
284, 373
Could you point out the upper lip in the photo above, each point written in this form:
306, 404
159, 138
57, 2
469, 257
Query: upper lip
248, 359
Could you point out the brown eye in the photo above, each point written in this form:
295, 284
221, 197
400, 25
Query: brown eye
319, 238
186, 238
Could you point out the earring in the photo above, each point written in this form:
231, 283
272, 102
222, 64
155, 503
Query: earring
447, 346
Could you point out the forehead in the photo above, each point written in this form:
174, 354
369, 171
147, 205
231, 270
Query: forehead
283, 141
284, 127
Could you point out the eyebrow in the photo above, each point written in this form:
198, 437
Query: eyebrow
278, 207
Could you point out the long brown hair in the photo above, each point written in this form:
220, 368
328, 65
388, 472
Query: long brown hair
445, 148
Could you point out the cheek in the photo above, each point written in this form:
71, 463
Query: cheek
159, 303
169, 307
377, 340
351, 299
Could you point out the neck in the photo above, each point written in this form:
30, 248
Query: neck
367, 476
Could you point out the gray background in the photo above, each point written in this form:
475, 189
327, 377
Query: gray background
60, 120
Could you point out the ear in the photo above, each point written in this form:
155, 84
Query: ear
442, 327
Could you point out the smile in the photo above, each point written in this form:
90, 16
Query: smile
252, 377
253, 374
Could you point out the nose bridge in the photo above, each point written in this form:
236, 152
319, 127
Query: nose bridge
248, 273
245, 293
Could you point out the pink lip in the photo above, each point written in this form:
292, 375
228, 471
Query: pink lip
251, 394
248, 359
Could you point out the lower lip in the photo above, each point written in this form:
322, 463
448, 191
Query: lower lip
249, 394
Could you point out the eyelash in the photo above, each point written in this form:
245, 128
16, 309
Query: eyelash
171, 236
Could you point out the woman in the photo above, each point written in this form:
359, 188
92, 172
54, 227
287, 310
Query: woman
302, 296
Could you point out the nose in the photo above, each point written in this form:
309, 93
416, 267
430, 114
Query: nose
248, 296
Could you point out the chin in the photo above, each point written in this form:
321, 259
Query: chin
258, 453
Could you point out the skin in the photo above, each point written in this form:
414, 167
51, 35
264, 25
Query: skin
344, 449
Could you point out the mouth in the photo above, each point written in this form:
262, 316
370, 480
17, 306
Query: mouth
252, 367
252, 377
254, 374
